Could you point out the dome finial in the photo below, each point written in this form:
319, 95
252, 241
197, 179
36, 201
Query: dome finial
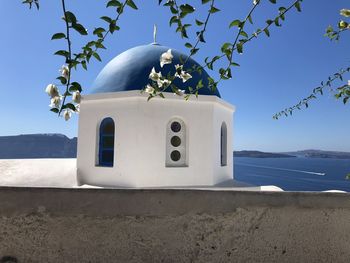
154, 34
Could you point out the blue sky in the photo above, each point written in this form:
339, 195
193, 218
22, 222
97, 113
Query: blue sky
275, 72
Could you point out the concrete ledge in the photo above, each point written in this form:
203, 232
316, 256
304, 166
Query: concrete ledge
114, 202
122, 225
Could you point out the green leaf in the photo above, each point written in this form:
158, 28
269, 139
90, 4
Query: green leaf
75, 86
83, 63
113, 27
70, 17
188, 45
269, 21
55, 110
62, 79
225, 46
297, 6
244, 34
173, 20
240, 48
69, 106
235, 23
250, 19
282, 9
194, 51
80, 29
213, 10
58, 36
205, 1
63, 53
99, 44
186, 8
277, 23
273, 1
113, 3
106, 18
98, 31
199, 23
199, 84
267, 32
96, 56
131, 4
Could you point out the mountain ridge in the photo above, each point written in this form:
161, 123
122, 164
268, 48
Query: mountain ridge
46, 145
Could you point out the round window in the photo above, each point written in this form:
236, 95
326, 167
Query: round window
175, 126
175, 141
175, 156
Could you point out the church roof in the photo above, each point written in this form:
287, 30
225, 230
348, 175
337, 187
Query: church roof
130, 71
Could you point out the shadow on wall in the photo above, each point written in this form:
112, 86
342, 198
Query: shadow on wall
8, 259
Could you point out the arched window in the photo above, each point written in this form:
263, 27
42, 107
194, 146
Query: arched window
106, 143
223, 144
176, 143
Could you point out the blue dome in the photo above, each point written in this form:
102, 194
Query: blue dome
130, 71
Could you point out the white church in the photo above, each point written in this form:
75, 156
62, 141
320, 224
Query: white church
127, 141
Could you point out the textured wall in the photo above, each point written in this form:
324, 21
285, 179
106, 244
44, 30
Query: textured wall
95, 225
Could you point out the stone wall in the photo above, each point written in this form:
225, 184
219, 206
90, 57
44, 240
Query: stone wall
101, 225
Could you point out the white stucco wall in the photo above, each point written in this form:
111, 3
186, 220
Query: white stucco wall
140, 140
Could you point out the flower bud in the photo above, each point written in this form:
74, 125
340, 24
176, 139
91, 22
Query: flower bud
55, 102
76, 97
67, 114
52, 90
64, 71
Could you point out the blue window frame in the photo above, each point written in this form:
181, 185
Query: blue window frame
223, 144
106, 143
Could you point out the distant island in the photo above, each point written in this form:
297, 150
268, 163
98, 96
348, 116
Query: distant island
304, 154
321, 154
258, 154
37, 146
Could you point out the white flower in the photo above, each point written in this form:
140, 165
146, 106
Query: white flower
348, 82
163, 83
255, 2
55, 102
166, 58
64, 71
76, 97
185, 76
154, 75
345, 12
181, 73
179, 92
149, 89
77, 108
178, 67
67, 114
52, 90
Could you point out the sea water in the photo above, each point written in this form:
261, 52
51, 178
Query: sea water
294, 174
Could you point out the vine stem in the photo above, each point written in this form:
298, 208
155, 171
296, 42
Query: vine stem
256, 33
234, 47
324, 84
69, 43
116, 19
201, 32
